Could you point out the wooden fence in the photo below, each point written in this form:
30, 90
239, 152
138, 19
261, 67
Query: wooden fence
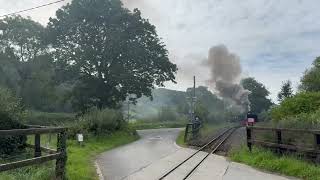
60, 155
278, 141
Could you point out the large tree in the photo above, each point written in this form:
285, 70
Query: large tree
311, 79
115, 52
258, 97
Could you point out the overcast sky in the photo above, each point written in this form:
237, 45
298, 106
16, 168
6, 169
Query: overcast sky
275, 39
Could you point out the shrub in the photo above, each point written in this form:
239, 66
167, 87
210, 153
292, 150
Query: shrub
306, 102
99, 122
11, 115
49, 119
303, 120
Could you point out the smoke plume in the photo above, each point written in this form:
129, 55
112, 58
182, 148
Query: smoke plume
225, 76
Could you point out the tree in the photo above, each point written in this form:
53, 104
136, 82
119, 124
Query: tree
115, 52
286, 91
27, 66
311, 79
258, 97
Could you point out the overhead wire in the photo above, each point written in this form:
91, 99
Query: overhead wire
29, 9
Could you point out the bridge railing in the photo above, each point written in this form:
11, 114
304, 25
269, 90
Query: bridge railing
60, 154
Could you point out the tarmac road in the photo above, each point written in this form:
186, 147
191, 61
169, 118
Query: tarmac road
153, 145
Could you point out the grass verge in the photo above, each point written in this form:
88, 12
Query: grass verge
286, 165
180, 139
80, 165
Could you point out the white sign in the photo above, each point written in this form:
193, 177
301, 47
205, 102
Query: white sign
80, 137
250, 120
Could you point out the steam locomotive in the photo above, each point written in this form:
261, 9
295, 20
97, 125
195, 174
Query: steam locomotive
250, 120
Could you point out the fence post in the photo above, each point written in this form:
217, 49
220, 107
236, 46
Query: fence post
61, 161
37, 145
279, 140
249, 138
186, 133
317, 146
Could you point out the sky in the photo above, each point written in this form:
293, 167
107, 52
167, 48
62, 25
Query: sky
276, 40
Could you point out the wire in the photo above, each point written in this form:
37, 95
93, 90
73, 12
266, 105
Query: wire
37, 7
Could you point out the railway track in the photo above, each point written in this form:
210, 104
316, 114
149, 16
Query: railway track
211, 146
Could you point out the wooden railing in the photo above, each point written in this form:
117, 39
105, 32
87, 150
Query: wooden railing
278, 141
60, 155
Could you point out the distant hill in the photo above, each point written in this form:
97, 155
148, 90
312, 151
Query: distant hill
177, 101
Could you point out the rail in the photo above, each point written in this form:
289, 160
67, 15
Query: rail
279, 145
60, 155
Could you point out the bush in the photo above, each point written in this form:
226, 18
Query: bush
11, 115
301, 121
99, 122
306, 102
49, 119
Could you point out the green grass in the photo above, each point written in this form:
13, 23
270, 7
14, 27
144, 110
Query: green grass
80, 159
266, 160
80, 164
180, 139
138, 125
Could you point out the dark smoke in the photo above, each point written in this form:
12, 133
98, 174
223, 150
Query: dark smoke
225, 76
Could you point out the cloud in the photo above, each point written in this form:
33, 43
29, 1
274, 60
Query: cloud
276, 40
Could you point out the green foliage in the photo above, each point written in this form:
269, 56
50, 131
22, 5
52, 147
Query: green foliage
44, 172
11, 114
202, 112
49, 119
286, 91
258, 97
99, 122
309, 120
80, 158
306, 102
27, 67
286, 165
149, 124
113, 52
311, 79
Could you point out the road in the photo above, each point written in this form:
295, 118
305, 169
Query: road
156, 153
153, 145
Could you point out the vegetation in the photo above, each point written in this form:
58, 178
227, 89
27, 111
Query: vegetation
11, 112
305, 102
99, 122
286, 91
180, 139
111, 52
311, 81
286, 165
80, 165
138, 125
258, 97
